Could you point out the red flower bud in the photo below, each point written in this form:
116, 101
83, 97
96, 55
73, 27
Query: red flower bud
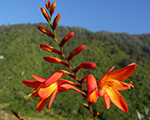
44, 30
53, 8
55, 22
48, 5
85, 105
85, 65
53, 59
92, 90
56, 60
76, 51
16, 114
50, 49
45, 14
66, 38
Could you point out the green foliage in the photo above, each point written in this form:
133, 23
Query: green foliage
22, 57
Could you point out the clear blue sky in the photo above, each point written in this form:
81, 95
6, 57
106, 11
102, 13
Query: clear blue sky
130, 16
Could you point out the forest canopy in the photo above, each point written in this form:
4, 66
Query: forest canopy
21, 56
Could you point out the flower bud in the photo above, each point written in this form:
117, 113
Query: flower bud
16, 114
48, 5
76, 51
85, 65
50, 49
45, 14
44, 30
66, 38
53, 8
53, 60
56, 60
55, 22
92, 90
85, 105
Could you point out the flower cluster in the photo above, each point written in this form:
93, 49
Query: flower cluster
47, 88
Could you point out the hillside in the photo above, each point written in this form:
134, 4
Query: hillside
21, 56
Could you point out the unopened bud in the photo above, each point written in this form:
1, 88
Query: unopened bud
56, 20
53, 60
85, 105
76, 51
44, 30
85, 65
48, 5
45, 14
56, 60
50, 49
66, 38
53, 8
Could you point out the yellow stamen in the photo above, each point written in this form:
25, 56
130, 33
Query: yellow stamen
33, 92
27, 96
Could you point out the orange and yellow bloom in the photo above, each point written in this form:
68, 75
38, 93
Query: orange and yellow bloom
111, 83
46, 88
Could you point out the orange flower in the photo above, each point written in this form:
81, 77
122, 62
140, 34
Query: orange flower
92, 90
46, 88
111, 83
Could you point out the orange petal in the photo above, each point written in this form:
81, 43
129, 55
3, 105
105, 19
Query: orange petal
123, 73
45, 92
32, 84
42, 103
117, 99
40, 79
65, 87
102, 92
92, 90
53, 78
118, 85
106, 74
107, 101
52, 98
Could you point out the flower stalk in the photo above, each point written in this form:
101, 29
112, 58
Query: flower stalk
48, 88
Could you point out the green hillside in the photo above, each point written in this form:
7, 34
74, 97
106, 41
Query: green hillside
21, 56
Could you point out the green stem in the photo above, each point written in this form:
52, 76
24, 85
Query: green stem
55, 38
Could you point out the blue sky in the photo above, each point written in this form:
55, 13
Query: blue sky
130, 16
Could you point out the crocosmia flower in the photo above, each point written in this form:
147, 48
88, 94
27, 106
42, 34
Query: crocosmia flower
46, 88
111, 83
